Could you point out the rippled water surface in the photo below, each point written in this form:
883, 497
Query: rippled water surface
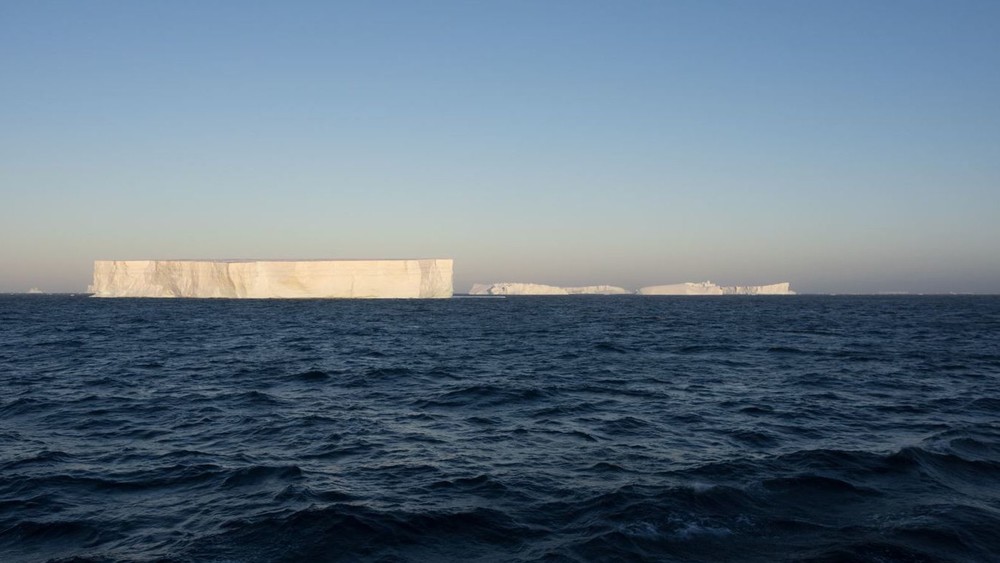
520, 429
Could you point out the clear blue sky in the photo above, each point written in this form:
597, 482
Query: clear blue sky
842, 146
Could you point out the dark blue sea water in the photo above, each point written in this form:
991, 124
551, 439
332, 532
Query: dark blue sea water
520, 429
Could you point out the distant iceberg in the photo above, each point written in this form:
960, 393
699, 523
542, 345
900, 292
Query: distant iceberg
518, 288
686, 288
783, 288
709, 288
597, 290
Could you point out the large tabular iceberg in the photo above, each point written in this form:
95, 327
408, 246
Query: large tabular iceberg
258, 279
709, 288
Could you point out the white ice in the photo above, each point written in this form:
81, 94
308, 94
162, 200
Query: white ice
259, 279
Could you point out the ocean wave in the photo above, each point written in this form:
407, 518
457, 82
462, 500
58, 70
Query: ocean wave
816, 429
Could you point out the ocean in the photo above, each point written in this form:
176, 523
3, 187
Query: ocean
590, 428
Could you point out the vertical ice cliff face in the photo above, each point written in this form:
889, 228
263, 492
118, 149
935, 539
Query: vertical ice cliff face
260, 279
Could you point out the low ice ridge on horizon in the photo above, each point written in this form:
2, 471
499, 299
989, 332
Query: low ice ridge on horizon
685, 288
709, 288
519, 288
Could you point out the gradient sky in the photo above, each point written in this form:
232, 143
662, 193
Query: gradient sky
841, 146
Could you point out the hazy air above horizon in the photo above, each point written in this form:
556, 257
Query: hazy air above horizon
841, 146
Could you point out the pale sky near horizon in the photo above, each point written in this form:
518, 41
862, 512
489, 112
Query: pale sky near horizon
844, 146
